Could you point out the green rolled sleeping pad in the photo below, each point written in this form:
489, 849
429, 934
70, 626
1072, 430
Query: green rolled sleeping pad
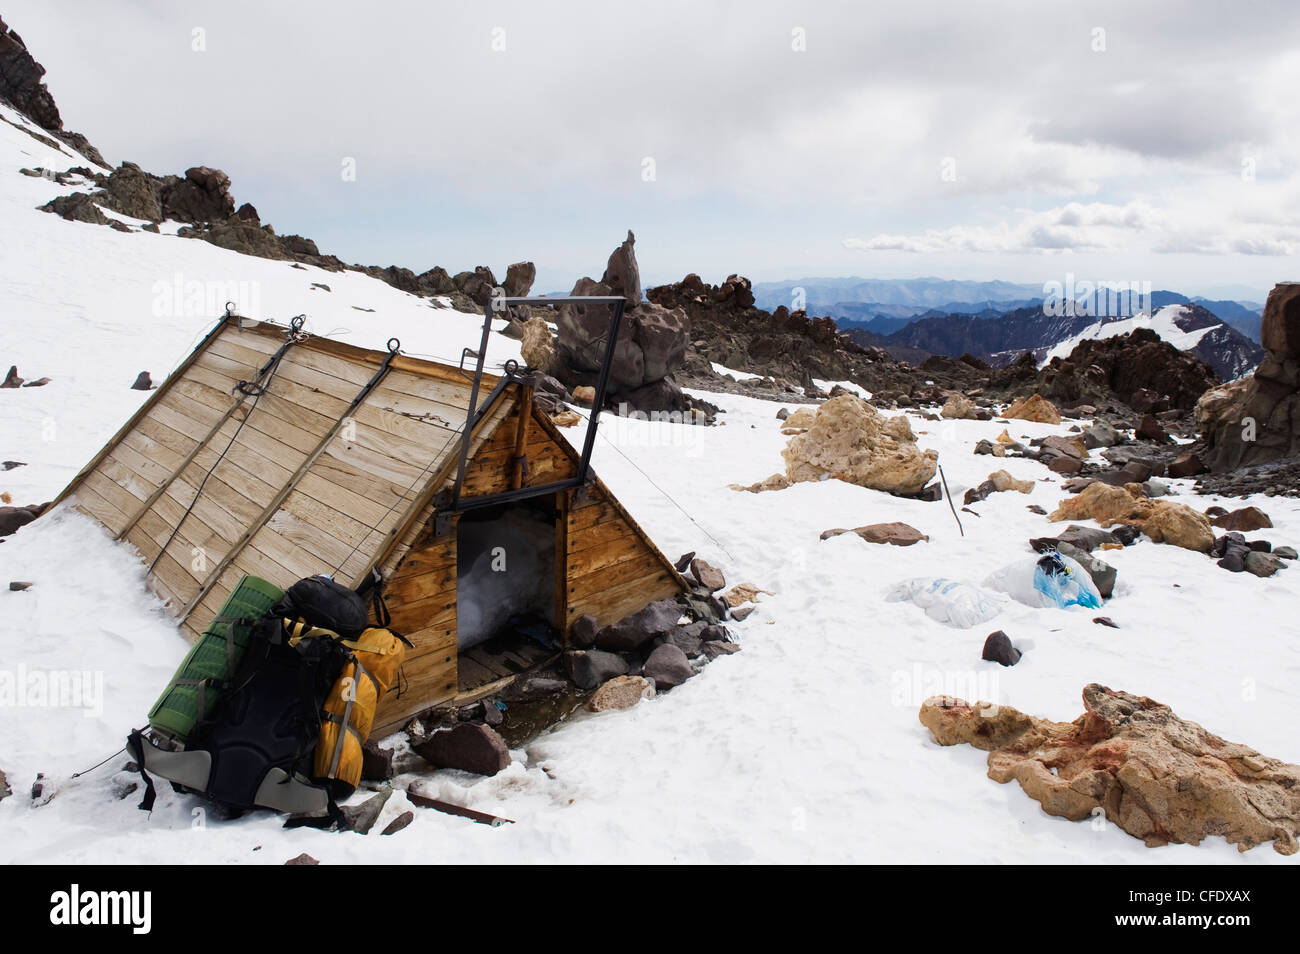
212, 660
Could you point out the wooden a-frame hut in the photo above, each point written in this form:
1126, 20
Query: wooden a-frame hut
283, 455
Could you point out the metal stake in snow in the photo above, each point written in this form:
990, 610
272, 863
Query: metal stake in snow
944, 481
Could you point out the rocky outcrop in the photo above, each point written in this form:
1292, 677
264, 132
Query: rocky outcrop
850, 440
1257, 419
650, 348
1132, 760
22, 86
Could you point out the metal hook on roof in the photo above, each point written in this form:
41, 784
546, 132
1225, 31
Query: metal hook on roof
511, 367
296, 323
394, 345
230, 310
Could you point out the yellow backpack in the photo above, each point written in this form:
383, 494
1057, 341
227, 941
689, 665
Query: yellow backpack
375, 657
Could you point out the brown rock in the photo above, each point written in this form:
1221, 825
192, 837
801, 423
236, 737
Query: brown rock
621, 692
1004, 481
467, 746
302, 859
398, 823
958, 407
1243, 520
708, 575
896, 534
1187, 464
743, 593
1065, 465
1035, 408
537, 347
1158, 777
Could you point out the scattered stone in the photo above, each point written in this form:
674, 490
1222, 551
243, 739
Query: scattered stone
1158, 777
983, 448
1064, 447
1286, 553
1245, 520
17, 586
591, 668
468, 746
622, 692
998, 649
743, 593
398, 823
1149, 428
782, 414
742, 612
38, 383
376, 763
361, 818
1187, 464
1035, 508
566, 418
582, 633
11, 518
1262, 564
1106, 621
1155, 488
976, 494
302, 859
1004, 481
1100, 434
639, 628
958, 407
896, 534
850, 440
12, 380
11, 464
668, 667
709, 576
1036, 408
714, 648
143, 382
584, 394
684, 561
1068, 466
775, 482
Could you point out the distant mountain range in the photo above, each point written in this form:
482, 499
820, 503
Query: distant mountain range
1000, 339
886, 307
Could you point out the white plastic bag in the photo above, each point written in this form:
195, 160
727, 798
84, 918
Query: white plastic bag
948, 601
1050, 580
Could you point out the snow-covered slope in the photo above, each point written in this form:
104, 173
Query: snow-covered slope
803, 747
1164, 323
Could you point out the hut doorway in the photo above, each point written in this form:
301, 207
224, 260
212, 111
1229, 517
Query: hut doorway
506, 587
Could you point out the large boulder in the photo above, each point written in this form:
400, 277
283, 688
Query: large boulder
536, 344
651, 344
468, 746
1034, 408
1158, 777
203, 195
1163, 521
850, 440
1257, 419
519, 279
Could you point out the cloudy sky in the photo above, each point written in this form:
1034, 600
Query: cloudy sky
1151, 141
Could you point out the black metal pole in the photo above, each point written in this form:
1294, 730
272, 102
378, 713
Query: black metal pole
473, 401
601, 383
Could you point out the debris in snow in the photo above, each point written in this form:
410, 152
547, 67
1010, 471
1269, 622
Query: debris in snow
12, 380
741, 612
998, 649
621, 692
398, 823
1158, 777
320, 285
361, 818
11, 464
1106, 621
775, 482
143, 382
744, 593
16, 586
